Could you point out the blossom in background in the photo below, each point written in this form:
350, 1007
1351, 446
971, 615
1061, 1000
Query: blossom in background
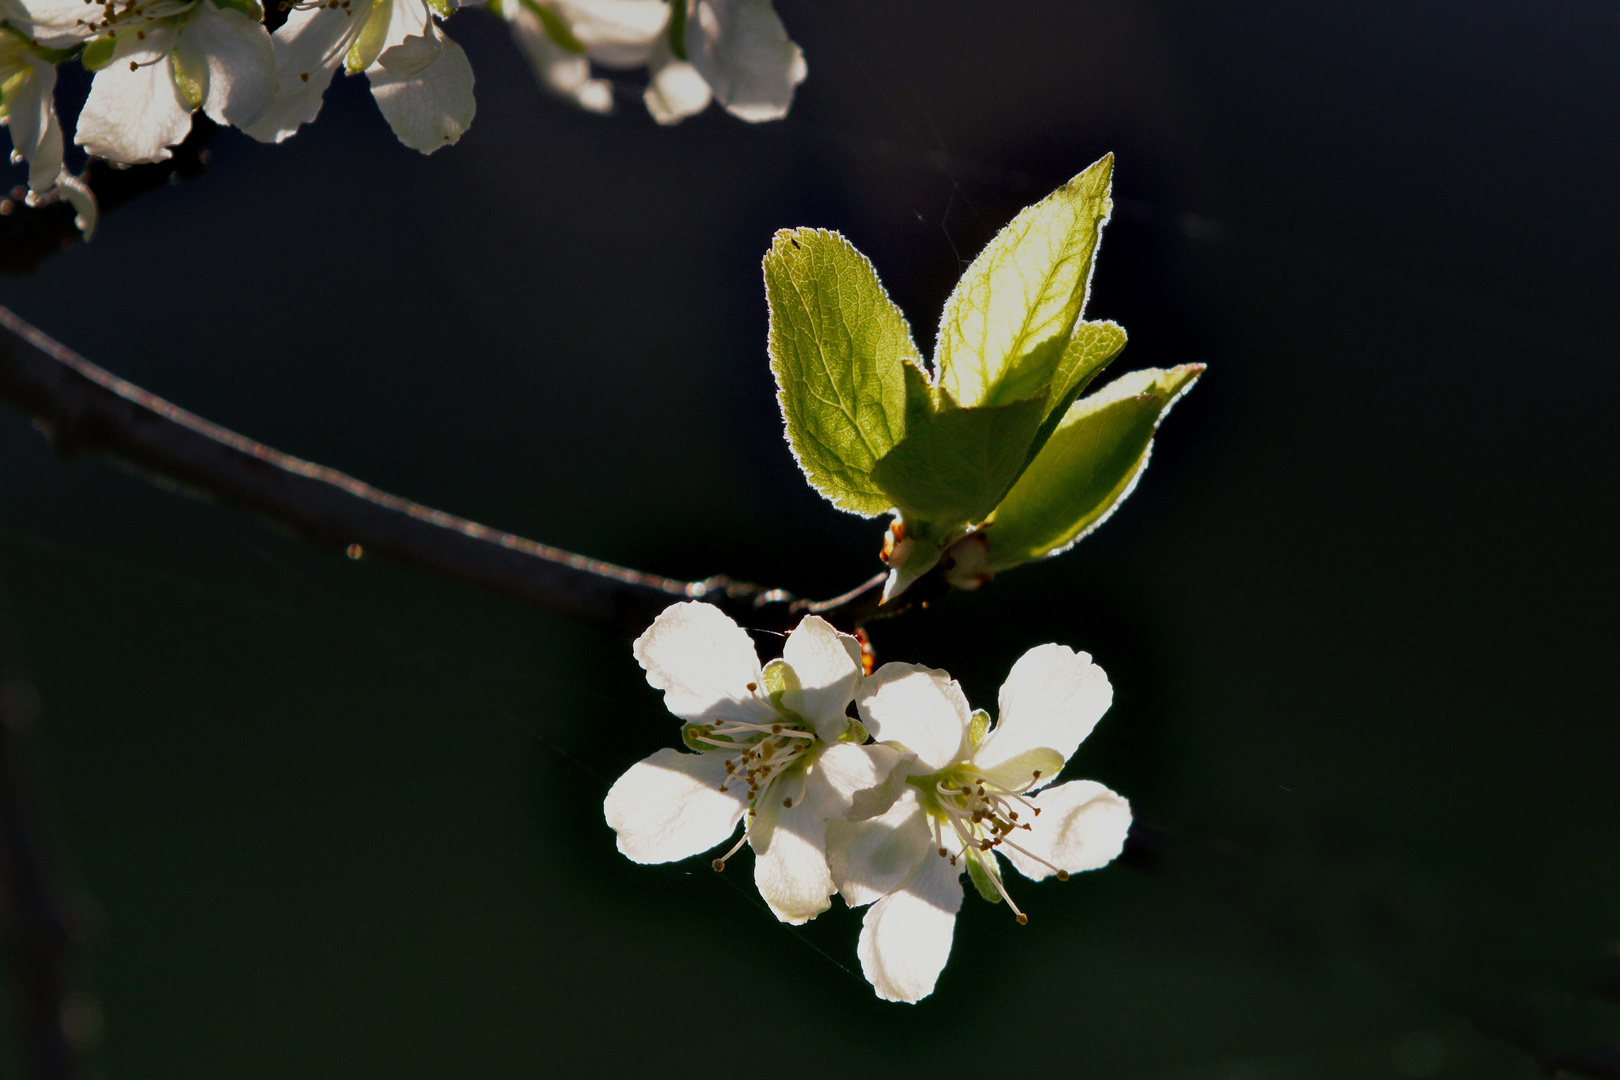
420, 78
28, 109
156, 62
734, 51
773, 743
965, 793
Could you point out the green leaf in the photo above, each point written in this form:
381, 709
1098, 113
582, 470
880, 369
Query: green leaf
1089, 350
955, 467
980, 873
839, 350
98, 53
1085, 470
1007, 322
368, 44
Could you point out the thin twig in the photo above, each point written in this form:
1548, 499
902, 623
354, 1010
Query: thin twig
40, 934
82, 408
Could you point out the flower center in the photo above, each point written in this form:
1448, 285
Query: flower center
771, 759
983, 815
119, 15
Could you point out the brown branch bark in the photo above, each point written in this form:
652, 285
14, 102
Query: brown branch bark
82, 408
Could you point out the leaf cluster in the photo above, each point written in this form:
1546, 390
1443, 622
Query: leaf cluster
993, 438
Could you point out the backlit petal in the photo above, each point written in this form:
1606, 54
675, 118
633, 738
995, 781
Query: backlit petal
669, 806
743, 52
675, 90
1082, 826
241, 63
1052, 698
906, 936
309, 48
133, 116
430, 107
616, 33
703, 662
870, 859
920, 708
35, 132
59, 24
567, 74
828, 666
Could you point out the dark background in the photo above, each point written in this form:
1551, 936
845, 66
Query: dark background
335, 819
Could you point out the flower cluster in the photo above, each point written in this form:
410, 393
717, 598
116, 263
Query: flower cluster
888, 810
156, 62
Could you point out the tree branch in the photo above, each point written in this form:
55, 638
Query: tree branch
82, 408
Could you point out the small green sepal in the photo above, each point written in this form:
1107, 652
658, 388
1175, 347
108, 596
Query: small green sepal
978, 727
98, 53
368, 44
856, 733
981, 875
690, 736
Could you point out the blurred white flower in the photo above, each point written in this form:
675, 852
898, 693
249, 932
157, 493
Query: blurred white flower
735, 51
28, 110
964, 794
771, 746
156, 62
419, 77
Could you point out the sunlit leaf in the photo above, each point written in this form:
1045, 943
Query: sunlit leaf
954, 467
1088, 466
839, 349
1007, 322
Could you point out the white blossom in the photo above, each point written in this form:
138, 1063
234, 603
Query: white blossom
28, 109
775, 744
965, 794
736, 52
156, 62
419, 77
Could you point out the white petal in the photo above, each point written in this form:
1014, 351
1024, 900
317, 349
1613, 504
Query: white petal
616, 33
790, 858
1052, 698
703, 662
411, 55
78, 193
848, 769
241, 63
828, 666
309, 48
870, 859
675, 90
35, 132
1082, 826
920, 708
906, 936
742, 50
669, 806
133, 116
433, 107
59, 24
564, 73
